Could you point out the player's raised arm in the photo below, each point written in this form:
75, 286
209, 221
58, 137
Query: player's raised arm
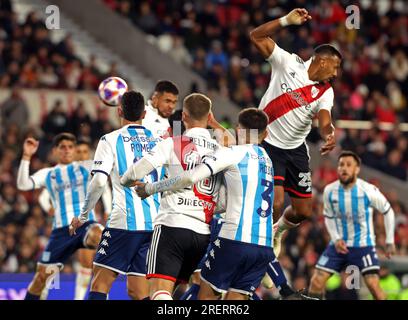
261, 36
24, 182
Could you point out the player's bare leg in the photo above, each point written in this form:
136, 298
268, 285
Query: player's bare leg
235, 296
137, 287
207, 293
101, 283
278, 202
318, 283
373, 284
39, 282
94, 236
84, 274
160, 289
293, 215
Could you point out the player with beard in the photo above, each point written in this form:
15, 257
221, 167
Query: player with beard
348, 212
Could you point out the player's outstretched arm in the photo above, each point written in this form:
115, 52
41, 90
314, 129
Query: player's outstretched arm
24, 182
94, 192
136, 172
184, 180
261, 36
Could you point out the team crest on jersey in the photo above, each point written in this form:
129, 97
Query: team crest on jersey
314, 92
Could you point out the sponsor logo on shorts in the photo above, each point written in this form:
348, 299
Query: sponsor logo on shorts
102, 251
46, 256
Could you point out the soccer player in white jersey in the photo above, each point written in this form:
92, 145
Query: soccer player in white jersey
348, 212
298, 91
160, 107
238, 258
126, 238
67, 184
182, 228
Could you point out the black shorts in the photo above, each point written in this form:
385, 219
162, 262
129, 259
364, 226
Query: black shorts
291, 169
175, 253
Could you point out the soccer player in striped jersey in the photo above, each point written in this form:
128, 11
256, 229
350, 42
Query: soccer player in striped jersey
84, 256
126, 238
348, 213
238, 258
67, 184
182, 231
298, 91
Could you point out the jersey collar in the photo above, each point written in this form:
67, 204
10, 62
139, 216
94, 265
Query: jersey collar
198, 132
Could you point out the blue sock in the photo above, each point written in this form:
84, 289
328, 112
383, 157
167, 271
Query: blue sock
255, 297
30, 296
192, 293
93, 295
278, 277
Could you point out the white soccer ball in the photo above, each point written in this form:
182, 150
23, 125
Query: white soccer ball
111, 90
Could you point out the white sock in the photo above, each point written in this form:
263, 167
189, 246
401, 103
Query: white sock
161, 295
82, 282
284, 224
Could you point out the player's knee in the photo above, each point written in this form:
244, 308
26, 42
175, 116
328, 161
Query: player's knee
135, 294
304, 209
94, 237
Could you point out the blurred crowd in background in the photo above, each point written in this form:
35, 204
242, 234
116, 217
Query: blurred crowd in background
211, 38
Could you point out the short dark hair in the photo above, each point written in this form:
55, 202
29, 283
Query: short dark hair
166, 86
348, 153
84, 141
133, 105
197, 105
63, 136
253, 118
328, 49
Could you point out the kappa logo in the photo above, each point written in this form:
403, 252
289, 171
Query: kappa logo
217, 243
314, 92
102, 251
104, 243
212, 253
107, 234
207, 264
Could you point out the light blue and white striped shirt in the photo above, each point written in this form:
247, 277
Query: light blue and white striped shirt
352, 211
248, 174
116, 151
67, 186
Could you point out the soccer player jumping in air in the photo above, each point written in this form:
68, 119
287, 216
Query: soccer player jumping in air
298, 91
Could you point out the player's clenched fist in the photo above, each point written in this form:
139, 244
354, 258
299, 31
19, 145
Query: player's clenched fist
298, 16
30, 147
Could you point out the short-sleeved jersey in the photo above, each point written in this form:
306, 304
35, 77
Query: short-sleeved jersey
115, 153
158, 125
192, 207
248, 174
352, 211
292, 100
67, 186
